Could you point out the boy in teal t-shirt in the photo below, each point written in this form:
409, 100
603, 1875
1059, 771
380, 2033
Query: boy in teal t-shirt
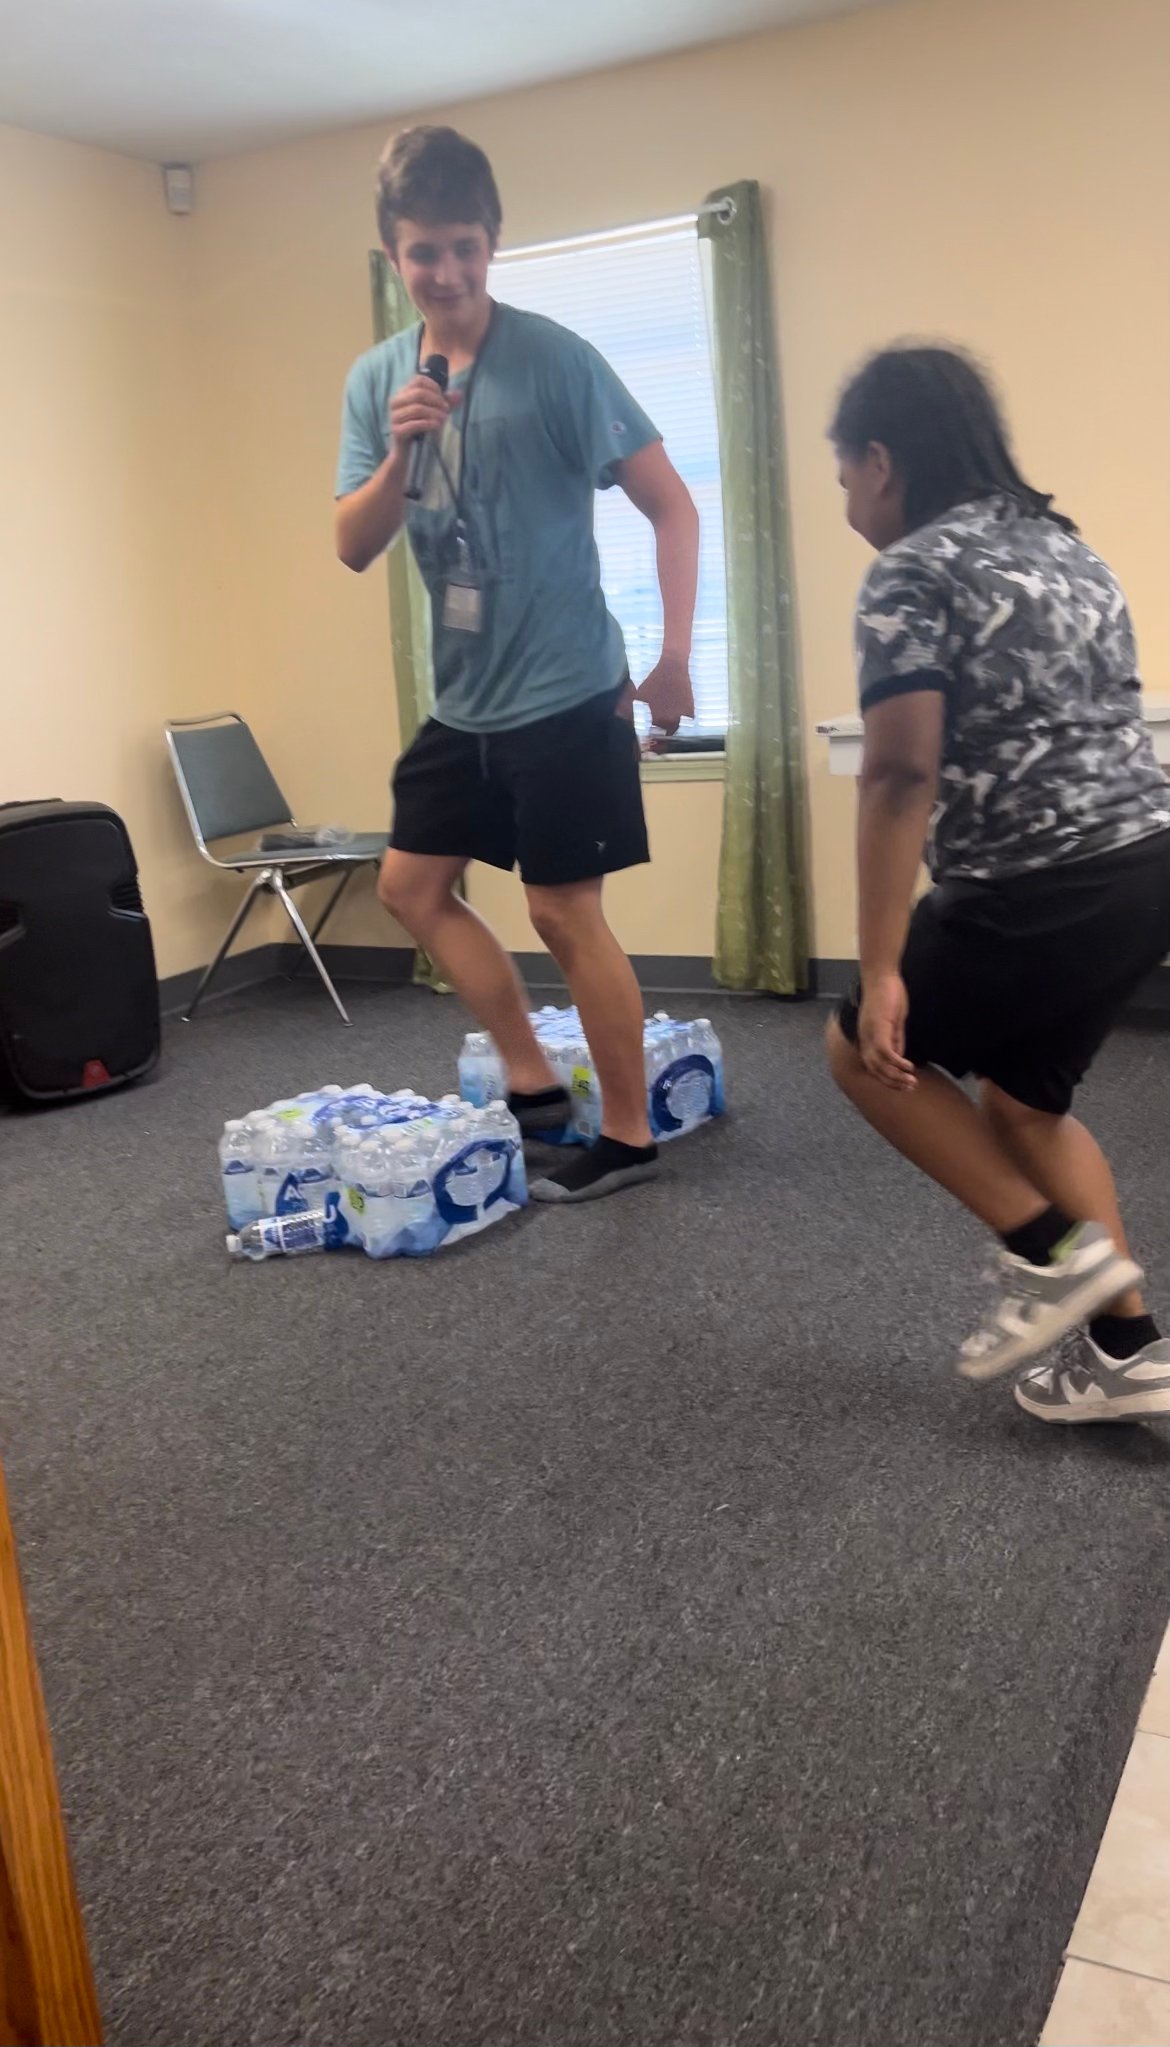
531, 756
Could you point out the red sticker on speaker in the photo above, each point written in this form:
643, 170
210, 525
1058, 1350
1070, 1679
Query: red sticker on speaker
95, 1073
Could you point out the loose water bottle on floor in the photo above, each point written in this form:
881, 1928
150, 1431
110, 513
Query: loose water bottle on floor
284, 1236
237, 1164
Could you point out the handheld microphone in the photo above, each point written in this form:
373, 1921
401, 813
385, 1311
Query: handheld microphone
422, 449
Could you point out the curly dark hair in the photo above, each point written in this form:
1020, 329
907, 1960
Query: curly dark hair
935, 411
437, 176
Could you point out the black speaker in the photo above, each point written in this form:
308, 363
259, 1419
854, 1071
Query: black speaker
78, 988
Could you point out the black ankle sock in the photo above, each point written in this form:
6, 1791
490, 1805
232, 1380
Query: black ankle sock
1122, 1336
544, 1098
1036, 1241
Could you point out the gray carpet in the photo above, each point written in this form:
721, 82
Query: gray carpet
621, 1629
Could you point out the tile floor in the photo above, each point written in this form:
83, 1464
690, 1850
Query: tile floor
1115, 1988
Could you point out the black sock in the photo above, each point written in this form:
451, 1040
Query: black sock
549, 1109
1122, 1336
1036, 1241
603, 1169
544, 1098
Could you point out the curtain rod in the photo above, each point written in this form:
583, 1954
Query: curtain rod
722, 209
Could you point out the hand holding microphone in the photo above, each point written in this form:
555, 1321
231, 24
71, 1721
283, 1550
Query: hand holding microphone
417, 412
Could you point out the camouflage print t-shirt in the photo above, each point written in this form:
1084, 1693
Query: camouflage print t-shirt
1028, 635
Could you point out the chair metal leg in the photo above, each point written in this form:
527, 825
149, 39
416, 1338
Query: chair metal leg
323, 919
262, 880
302, 931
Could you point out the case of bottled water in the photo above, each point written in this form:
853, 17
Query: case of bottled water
684, 1072
395, 1175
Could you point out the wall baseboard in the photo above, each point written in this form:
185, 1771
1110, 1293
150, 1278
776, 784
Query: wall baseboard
239, 970
391, 966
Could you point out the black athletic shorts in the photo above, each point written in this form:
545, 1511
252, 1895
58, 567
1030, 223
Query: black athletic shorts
1019, 981
563, 796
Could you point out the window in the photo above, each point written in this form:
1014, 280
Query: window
637, 295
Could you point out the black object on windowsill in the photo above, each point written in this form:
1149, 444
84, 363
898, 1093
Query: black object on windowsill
691, 742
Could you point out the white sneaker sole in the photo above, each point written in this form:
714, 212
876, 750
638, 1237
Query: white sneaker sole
1111, 1278
1106, 1407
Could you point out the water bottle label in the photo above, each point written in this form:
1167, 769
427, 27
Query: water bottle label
235, 1166
476, 1178
292, 1233
290, 1200
582, 1082
683, 1093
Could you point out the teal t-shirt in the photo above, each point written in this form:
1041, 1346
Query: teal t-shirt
547, 424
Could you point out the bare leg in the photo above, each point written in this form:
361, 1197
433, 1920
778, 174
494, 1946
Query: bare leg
572, 923
418, 889
1064, 1160
939, 1129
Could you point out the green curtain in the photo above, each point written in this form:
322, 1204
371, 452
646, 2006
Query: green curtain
410, 610
761, 932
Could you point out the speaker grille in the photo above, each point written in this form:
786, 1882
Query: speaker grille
126, 895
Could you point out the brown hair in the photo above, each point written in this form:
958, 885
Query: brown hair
437, 176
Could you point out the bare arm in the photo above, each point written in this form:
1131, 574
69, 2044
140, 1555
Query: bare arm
367, 520
896, 794
652, 483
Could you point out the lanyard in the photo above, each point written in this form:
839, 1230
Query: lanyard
455, 490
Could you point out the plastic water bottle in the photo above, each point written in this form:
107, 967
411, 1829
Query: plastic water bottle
237, 1164
375, 1188
481, 1072
684, 1071
413, 1194
347, 1165
584, 1092
284, 1236
279, 1158
477, 1165
705, 1041
315, 1171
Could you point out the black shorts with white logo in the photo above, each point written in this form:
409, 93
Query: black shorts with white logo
562, 797
1019, 981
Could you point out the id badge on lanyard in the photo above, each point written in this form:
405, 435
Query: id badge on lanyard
463, 591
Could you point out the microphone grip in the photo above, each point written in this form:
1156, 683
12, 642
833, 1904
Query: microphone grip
422, 449
417, 467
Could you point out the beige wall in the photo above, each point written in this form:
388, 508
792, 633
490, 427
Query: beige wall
100, 588
992, 172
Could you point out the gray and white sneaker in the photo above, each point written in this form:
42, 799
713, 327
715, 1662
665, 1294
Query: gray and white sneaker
1038, 1304
1084, 1384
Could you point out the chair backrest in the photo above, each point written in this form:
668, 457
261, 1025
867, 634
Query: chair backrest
226, 784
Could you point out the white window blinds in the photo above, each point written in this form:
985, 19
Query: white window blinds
638, 297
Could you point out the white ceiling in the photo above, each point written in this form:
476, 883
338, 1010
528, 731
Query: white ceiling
177, 80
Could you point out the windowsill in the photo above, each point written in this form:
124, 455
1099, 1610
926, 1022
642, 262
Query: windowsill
683, 767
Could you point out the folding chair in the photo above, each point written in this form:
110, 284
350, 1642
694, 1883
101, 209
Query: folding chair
228, 789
